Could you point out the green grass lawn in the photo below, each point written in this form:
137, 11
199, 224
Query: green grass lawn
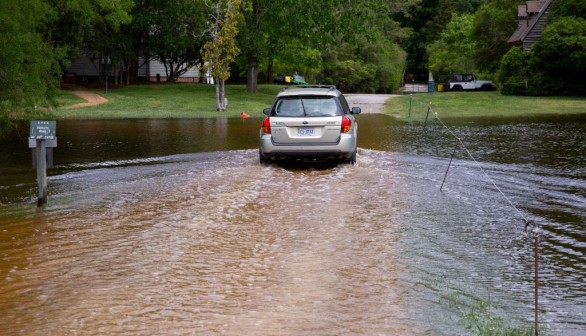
481, 104
173, 101
65, 97
198, 101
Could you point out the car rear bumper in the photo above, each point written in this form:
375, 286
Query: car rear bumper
344, 148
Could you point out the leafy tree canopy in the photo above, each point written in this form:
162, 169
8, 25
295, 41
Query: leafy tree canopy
455, 49
493, 25
576, 8
28, 66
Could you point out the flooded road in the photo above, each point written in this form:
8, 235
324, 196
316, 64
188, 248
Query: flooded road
173, 227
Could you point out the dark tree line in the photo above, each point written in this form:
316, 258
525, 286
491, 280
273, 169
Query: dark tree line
360, 45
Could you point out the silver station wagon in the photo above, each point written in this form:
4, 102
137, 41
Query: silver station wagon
309, 123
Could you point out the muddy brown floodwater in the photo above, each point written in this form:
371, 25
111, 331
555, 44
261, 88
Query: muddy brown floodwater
173, 227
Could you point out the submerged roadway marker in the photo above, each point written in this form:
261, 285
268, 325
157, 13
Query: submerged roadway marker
42, 139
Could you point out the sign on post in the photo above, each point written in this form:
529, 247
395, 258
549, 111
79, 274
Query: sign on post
41, 132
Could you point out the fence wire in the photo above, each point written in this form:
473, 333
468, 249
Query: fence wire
534, 230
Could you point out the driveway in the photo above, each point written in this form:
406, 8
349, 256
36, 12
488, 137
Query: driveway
369, 103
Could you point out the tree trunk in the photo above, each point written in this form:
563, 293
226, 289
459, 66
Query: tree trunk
270, 69
221, 100
252, 78
129, 69
218, 105
171, 73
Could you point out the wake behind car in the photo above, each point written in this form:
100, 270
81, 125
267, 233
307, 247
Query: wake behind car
309, 122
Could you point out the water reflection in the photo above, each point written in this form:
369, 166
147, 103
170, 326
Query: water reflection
157, 227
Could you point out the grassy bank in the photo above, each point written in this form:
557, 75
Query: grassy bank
481, 104
65, 97
171, 101
198, 101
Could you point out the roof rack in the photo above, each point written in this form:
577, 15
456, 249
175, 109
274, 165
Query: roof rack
315, 86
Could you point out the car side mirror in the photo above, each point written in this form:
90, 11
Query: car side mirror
267, 111
356, 110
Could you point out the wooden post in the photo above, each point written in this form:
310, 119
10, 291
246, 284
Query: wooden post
410, 103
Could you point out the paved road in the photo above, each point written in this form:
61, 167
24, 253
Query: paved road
369, 103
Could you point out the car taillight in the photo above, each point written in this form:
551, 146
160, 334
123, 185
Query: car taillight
346, 124
266, 126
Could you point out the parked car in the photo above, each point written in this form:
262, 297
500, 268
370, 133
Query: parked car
466, 81
309, 123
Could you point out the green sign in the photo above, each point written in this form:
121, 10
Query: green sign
43, 130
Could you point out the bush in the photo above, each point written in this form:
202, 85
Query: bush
558, 63
513, 72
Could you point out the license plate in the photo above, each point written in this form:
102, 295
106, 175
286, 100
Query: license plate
305, 131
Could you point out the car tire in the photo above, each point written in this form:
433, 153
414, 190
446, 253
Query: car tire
352, 159
263, 159
457, 88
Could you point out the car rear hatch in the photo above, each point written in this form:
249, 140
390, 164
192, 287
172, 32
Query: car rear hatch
305, 131
306, 119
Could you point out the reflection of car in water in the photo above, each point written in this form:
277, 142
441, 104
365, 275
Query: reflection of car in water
312, 122
294, 79
465, 81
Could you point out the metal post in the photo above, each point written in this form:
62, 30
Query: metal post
536, 284
449, 164
435, 134
535, 233
42, 172
427, 115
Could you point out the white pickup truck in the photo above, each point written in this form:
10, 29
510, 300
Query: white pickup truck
465, 81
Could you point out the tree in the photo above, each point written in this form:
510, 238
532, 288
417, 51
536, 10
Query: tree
29, 67
221, 50
39, 40
514, 72
575, 8
172, 32
288, 37
493, 25
268, 27
363, 55
466, 6
91, 27
251, 38
455, 49
558, 64
107, 40
426, 19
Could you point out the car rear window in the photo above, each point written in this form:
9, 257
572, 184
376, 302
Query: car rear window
306, 107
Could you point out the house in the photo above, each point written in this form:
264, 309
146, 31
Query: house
156, 73
532, 18
88, 68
